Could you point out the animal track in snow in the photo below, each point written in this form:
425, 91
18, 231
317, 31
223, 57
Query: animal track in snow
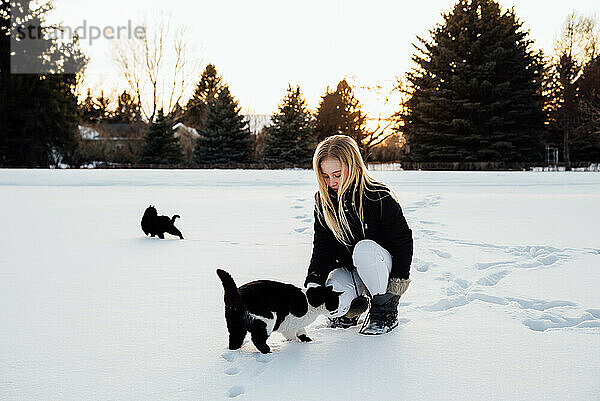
493, 278
263, 358
232, 371
527, 257
594, 312
533, 251
539, 315
487, 298
484, 274
538, 304
235, 391
302, 217
554, 314
428, 201
550, 321
230, 356
229, 242
421, 265
244, 365
441, 254
447, 303
483, 266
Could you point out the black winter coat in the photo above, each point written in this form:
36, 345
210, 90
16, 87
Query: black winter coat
384, 223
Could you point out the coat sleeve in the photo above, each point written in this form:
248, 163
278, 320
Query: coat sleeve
322, 260
397, 237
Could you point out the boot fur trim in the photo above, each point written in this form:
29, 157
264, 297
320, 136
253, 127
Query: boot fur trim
397, 286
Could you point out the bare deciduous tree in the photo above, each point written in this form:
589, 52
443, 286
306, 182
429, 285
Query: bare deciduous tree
383, 95
158, 66
577, 45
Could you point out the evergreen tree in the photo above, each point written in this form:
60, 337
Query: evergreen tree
209, 85
340, 113
161, 146
38, 111
224, 136
128, 110
96, 110
475, 94
289, 138
327, 116
103, 104
88, 109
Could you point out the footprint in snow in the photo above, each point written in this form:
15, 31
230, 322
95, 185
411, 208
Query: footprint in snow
261, 365
483, 266
450, 277
538, 304
430, 200
243, 366
232, 371
235, 391
447, 304
493, 278
551, 321
538, 255
230, 356
441, 254
421, 265
263, 358
540, 315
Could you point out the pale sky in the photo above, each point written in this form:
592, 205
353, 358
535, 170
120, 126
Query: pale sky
261, 46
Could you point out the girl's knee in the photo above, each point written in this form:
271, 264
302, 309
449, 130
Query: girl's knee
365, 253
373, 264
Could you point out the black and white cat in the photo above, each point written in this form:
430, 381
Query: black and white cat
263, 306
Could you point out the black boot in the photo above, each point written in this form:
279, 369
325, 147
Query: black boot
383, 316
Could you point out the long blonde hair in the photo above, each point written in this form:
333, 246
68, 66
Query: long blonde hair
356, 178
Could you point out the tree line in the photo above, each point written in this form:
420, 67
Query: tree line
478, 92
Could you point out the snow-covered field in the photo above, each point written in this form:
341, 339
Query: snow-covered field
504, 303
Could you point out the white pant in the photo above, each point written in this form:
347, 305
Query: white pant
373, 266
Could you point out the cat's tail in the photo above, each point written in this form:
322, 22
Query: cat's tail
232, 295
175, 217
